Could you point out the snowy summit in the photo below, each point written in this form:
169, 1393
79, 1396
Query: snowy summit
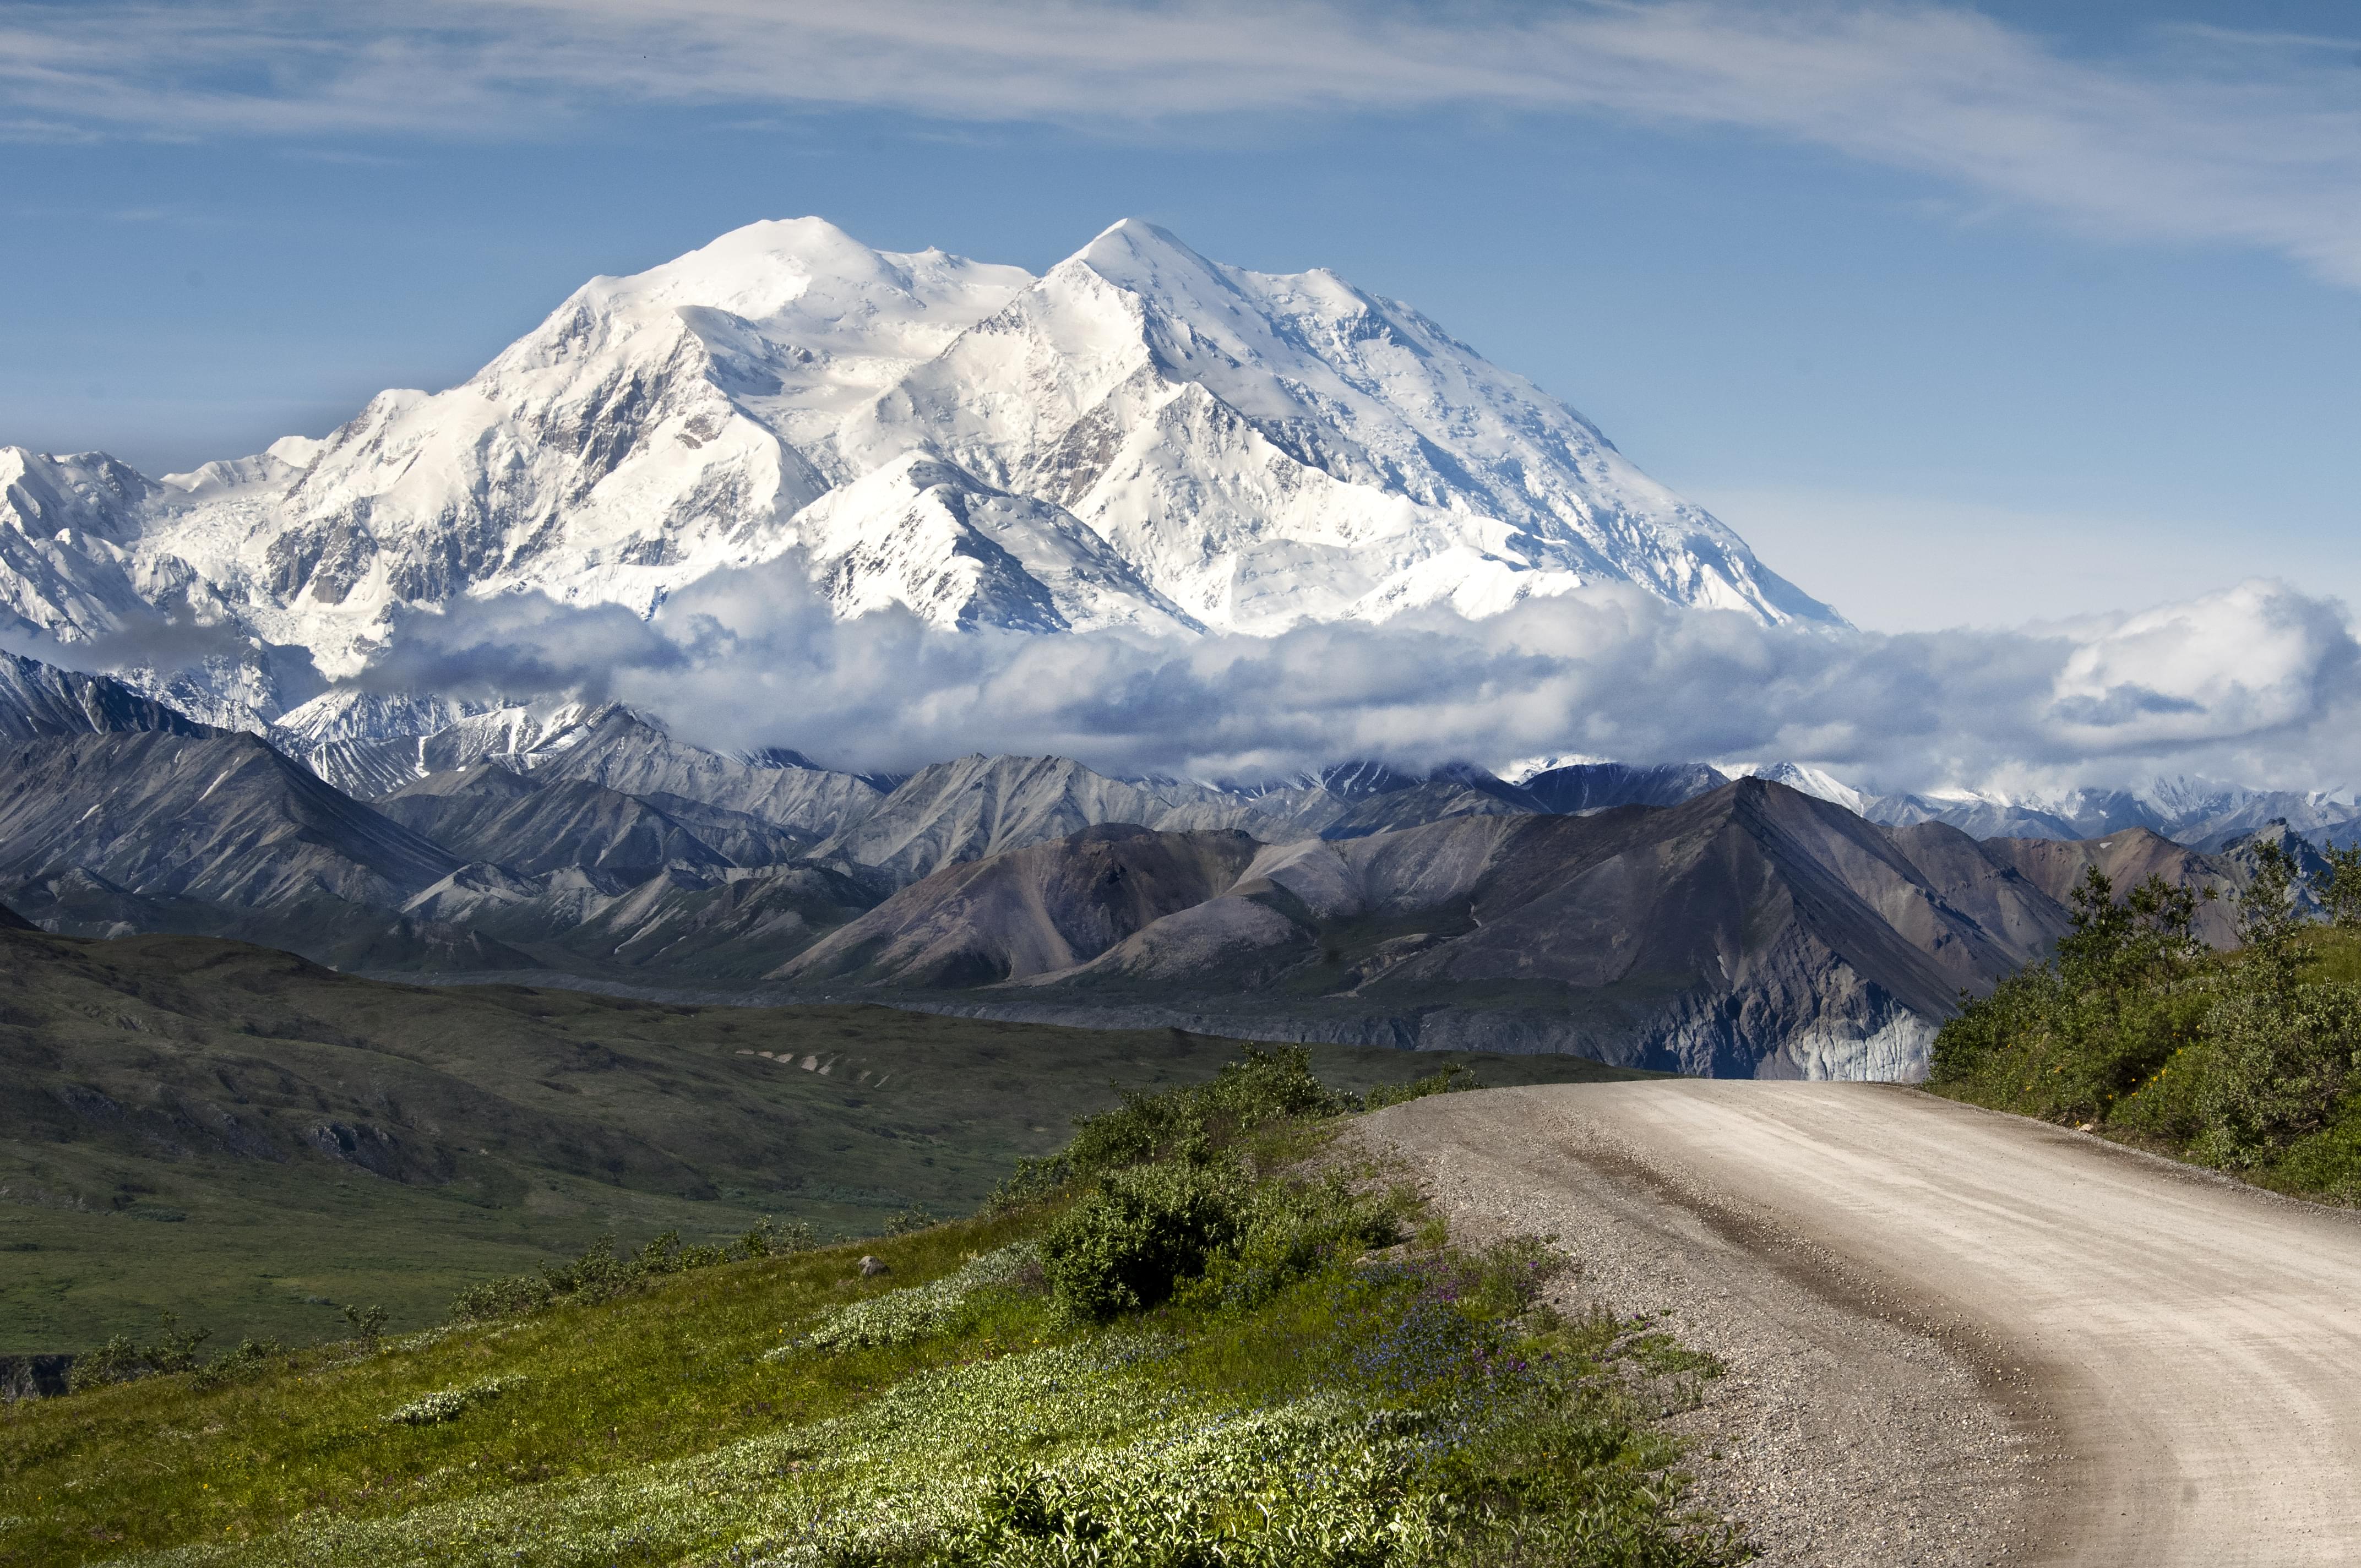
1139, 438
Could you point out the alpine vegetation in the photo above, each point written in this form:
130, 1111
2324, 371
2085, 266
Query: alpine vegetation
1201, 1334
2248, 1060
450, 1404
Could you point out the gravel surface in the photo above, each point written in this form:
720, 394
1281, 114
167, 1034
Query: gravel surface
1851, 1427
1954, 1336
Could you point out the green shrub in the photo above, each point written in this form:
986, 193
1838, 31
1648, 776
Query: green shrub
1138, 1234
2279, 1062
123, 1360
768, 1240
1265, 1087
2337, 885
1032, 1181
599, 1275
1289, 1230
1444, 1082
2234, 1059
251, 1355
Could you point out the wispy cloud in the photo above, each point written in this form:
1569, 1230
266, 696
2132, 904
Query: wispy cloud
2258, 682
2203, 134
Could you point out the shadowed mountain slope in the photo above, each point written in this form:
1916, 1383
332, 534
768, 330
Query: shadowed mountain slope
220, 818
1596, 786
39, 699
623, 751
104, 835
978, 806
530, 827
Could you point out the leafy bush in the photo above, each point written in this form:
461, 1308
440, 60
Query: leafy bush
1446, 1081
252, 1355
123, 1360
1265, 1088
1290, 1229
1138, 1234
2278, 1064
909, 1221
599, 1275
2338, 885
2232, 1059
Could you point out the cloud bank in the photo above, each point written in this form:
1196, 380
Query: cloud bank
2259, 683
2205, 134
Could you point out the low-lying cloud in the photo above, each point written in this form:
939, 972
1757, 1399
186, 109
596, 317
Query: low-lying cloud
2258, 683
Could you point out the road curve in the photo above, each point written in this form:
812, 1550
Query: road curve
2195, 1346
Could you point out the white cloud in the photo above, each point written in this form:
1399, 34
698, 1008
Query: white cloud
2258, 683
2207, 135
1899, 562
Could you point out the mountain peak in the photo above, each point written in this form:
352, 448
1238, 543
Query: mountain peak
813, 273
1143, 437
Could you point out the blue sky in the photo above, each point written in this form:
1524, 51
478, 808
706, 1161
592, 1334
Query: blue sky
1959, 316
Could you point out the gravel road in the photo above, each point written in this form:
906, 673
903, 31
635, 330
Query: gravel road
1953, 1336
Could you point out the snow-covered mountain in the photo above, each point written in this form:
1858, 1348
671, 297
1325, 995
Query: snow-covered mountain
2200, 813
1141, 437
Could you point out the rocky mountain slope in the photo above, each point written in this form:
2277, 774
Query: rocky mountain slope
2127, 858
39, 699
1754, 930
1141, 437
1750, 928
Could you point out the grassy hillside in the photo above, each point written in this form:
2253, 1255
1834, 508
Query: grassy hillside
1194, 1339
2248, 1060
251, 1141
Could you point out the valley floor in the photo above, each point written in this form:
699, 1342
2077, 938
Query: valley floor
1954, 1336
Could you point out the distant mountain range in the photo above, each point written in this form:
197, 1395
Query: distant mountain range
1662, 916
2196, 812
1141, 437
